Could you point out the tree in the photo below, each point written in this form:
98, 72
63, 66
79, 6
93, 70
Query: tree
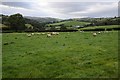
4, 20
17, 22
63, 27
52, 27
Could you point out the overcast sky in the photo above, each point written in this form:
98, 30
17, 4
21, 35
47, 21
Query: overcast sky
61, 9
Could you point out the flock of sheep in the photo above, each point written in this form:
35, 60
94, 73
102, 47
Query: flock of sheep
52, 33
95, 33
49, 34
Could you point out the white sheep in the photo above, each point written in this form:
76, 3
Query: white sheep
57, 33
94, 34
53, 33
48, 35
99, 32
29, 35
32, 33
81, 31
42, 33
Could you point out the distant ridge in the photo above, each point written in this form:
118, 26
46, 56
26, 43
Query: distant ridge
43, 19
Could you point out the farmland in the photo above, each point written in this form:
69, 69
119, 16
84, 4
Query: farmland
69, 23
101, 27
67, 55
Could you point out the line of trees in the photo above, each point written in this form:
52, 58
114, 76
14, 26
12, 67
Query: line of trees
104, 21
14, 22
17, 22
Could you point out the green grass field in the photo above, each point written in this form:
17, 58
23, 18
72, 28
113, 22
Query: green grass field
69, 23
67, 55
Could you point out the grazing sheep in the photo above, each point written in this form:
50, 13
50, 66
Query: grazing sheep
42, 33
94, 34
32, 33
29, 35
57, 33
81, 31
53, 33
99, 32
48, 35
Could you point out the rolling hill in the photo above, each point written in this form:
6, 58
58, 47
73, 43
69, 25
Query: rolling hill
70, 23
106, 27
42, 19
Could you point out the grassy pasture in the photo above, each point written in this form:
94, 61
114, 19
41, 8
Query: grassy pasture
67, 55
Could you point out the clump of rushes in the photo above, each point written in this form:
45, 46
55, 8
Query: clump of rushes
6, 43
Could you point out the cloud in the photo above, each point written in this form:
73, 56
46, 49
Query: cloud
61, 9
26, 12
17, 4
99, 10
60, 0
84, 9
67, 7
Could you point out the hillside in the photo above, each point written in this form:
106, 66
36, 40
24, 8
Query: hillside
70, 23
43, 19
106, 27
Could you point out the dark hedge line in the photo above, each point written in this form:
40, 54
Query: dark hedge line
101, 29
5, 31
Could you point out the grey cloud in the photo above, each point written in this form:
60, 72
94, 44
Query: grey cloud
65, 9
73, 7
108, 13
69, 7
18, 4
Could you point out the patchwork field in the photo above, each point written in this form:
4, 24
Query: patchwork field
67, 55
69, 23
